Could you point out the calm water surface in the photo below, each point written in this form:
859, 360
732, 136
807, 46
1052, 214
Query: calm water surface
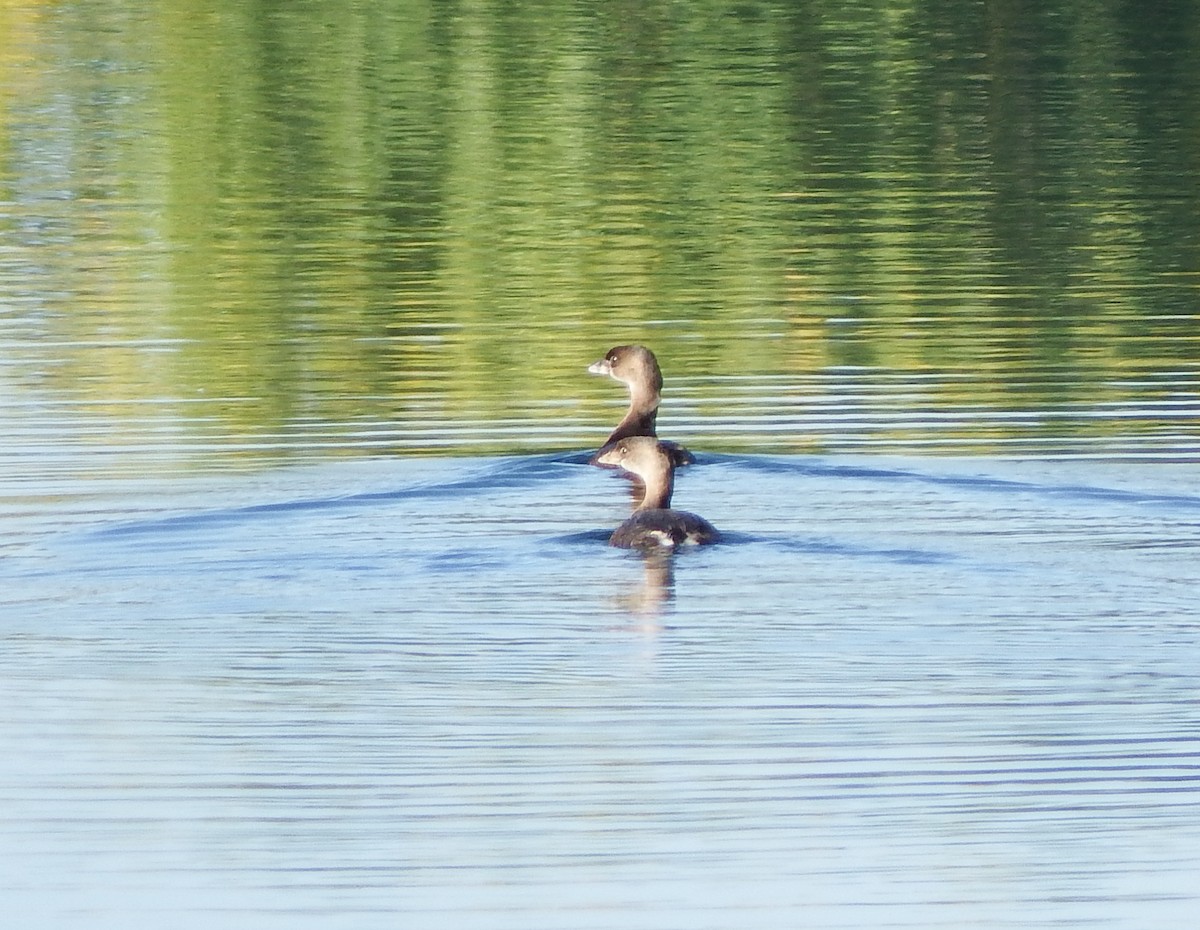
306, 613
905, 693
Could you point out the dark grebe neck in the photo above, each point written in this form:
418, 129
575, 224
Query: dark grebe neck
636, 422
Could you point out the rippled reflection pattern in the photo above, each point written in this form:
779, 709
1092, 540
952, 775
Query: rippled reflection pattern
258, 234
904, 692
306, 612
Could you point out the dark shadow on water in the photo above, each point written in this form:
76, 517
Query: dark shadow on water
507, 473
817, 468
464, 561
511, 473
518, 472
652, 594
811, 545
572, 458
831, 547
589, 537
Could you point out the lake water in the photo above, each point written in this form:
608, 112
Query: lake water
904, 693
306, 611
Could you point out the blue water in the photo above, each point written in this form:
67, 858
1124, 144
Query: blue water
906, 692
925, 276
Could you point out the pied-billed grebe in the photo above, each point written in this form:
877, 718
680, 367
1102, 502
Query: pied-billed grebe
637, 368
653, 524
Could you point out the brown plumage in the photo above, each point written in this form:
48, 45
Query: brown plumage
636, 367
653, 524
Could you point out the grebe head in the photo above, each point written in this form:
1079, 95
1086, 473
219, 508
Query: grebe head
635, 366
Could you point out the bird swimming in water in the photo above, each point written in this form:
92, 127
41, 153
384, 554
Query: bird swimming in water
653, 524
636, 367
